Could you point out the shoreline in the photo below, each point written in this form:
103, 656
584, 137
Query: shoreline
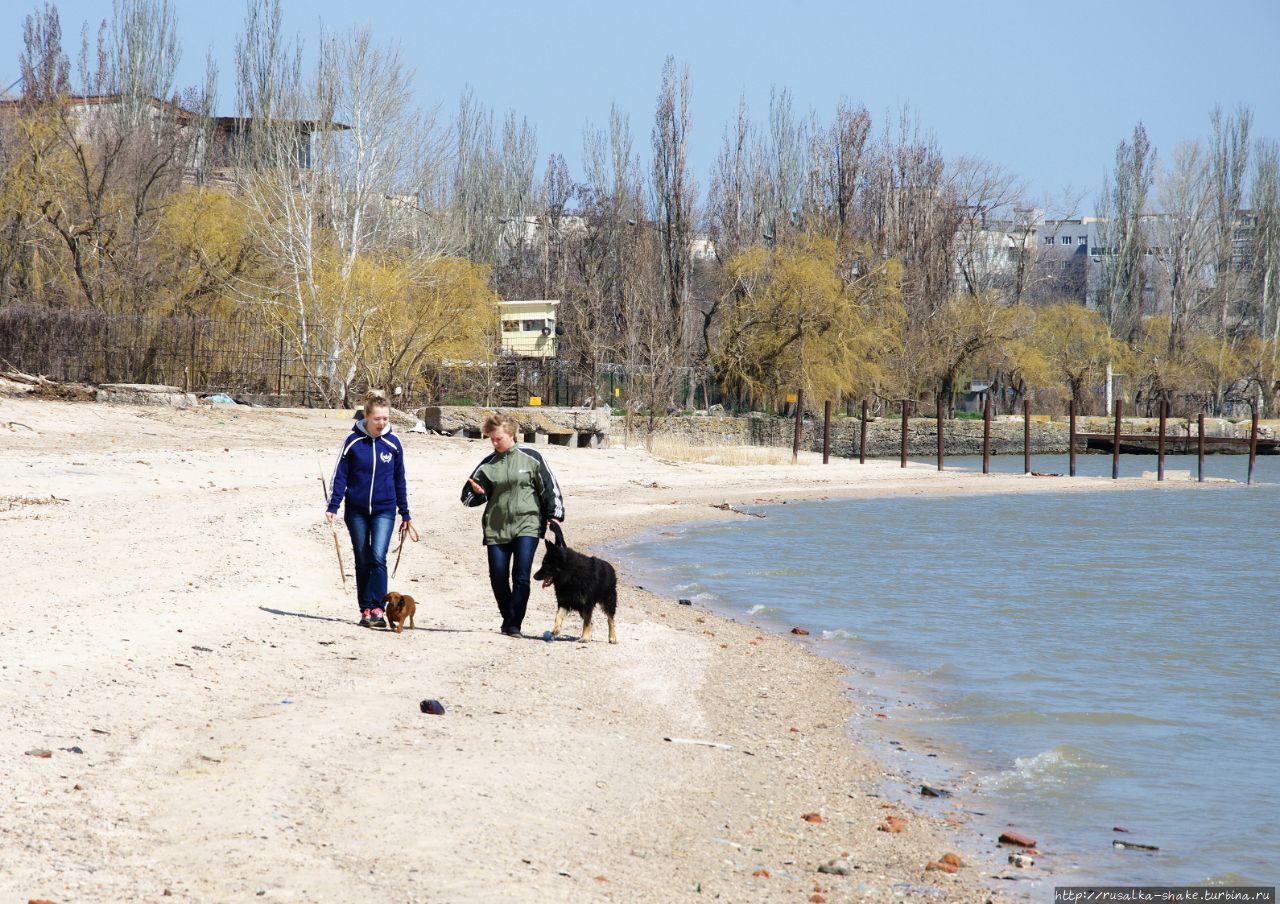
240, 734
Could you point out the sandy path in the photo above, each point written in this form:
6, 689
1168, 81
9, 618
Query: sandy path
180, 619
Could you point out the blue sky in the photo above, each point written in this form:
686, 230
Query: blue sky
1045, 89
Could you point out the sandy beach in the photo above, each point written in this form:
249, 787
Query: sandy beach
177, 637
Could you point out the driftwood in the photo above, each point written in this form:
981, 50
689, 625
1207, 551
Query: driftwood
15, 382
726, 507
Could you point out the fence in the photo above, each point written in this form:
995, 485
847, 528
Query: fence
249, 357
196, 353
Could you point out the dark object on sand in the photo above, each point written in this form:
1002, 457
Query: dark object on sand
684, 602
930, 791
432, 707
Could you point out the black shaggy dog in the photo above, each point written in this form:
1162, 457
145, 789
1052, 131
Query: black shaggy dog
581, 582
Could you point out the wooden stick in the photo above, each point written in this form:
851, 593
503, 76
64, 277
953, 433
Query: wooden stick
337, 547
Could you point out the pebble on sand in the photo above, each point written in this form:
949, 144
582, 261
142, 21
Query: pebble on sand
893, 825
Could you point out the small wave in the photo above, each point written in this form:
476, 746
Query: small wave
945, 670
1107, 718
1231, 880
1061, 765
761, 609
838, 634
1028, 675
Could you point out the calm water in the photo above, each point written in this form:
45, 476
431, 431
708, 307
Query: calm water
1081, 661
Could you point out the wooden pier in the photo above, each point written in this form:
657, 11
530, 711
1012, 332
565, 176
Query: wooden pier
1148, 443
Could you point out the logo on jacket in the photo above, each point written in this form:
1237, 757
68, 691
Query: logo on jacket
386, 458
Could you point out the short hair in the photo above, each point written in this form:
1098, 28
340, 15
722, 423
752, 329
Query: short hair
499, 421
374, 399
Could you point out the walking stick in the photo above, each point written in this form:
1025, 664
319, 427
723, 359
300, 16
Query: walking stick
413, 535
324, 488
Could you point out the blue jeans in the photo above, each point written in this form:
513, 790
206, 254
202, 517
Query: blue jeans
509, 567
370, 539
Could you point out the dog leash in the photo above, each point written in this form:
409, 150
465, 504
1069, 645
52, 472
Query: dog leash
412, 533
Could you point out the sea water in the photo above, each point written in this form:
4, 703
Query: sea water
1080, 662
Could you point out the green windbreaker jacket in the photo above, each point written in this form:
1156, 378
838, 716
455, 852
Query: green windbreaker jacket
520, 495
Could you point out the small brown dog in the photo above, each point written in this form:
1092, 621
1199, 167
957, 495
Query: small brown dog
399, 607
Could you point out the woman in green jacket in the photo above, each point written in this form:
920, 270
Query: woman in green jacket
520, 495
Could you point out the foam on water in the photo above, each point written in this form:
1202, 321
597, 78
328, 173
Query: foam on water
1064, 766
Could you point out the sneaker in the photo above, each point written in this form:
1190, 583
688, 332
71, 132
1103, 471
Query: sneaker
511, 632
364, 618
377, 620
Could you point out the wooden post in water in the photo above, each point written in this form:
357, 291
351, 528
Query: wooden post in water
941, 453
1071, 449
1253, 444
905, 409
986, 434
1200, 446
1115, 442
1164, 414
826, 432
795, 440
1026, 436
862, 440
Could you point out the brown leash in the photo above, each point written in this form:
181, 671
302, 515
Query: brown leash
412, 533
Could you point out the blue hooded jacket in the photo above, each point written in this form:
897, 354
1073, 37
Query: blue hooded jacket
370, 474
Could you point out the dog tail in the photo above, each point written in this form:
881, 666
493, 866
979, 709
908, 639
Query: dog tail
555, 529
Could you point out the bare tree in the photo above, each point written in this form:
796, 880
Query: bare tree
1123, 236
128, 138
1181, 238
1265, 250
1228, 164
731, 220
985, 196
837, 161
492, 181
46, 71
673, 200
332, 163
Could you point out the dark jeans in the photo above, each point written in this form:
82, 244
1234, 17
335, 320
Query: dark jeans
370, 539
509, 567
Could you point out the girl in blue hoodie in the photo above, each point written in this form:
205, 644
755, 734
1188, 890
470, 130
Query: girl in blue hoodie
370, 480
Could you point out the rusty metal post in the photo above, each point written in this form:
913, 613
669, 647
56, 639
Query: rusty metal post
1164, 414
826, 432
1026, 436
941, 453
986, 434
1200, 446
1115, 442
795, 440
1071, 449
905, 410
1253, 444
862, 440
